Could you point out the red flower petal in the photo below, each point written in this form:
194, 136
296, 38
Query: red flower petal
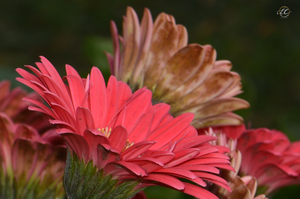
84, 119
137, 149
134, 168
166, 180
98, 98
118, 138
77, 144
198, 192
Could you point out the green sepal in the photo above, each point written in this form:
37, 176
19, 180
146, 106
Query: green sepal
84, 180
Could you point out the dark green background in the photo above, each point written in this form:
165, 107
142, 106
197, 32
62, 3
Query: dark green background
262, 47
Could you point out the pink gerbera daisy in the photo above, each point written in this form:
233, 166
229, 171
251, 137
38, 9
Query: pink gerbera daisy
271, 158
121, 140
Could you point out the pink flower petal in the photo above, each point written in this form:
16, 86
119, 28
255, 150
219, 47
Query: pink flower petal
198, 192
177, 125
118, 138
137, 149
84, 119
134, 168
166, 180
98, 98
93, 139
77, 144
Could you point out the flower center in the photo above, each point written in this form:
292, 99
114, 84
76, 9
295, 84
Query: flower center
105, 131
128, 144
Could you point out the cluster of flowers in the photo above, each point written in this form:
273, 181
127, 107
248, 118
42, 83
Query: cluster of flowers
164, 118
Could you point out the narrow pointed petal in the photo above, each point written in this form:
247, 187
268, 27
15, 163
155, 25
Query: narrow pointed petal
118, 138
78, 145
115, 68
131, 46
84, 119
137, 170
228, 118
134, 112
193, 142
182, 36
124, 94
77, 91
164, 40
145, 41
206, 168
198, 192
166, 180
218, 106
26, 75
141, 130
137, 149
214, 179
177, 172
161, 112
112, 91
188, 155
57, 90
42, 108
98, 98
177, 125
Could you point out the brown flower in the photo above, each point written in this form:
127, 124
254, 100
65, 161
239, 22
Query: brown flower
187, 77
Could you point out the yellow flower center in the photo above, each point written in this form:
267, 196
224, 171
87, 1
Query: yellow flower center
128, 144
105, 131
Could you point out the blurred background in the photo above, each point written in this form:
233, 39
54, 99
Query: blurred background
262, 47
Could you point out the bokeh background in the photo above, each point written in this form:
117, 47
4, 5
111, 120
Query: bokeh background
263, 48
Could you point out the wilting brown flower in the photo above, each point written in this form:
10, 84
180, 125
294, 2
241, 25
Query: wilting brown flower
187, 77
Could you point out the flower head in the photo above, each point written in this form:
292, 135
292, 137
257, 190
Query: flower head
31, 161
269, 156
228, 132
123, 134
187, 77
242, 187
